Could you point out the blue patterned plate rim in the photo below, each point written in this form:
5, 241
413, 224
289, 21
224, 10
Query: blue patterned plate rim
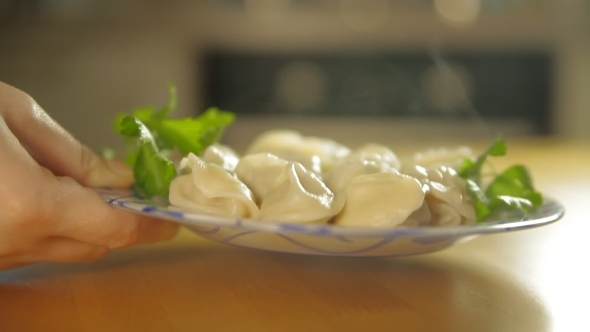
549, 212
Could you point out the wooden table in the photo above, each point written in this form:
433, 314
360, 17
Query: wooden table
531, 280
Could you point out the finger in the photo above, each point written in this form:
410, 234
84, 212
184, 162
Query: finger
59, 250
36, 204
64, 250
20, 173
53, 147
55, 249
84, 216
39, 204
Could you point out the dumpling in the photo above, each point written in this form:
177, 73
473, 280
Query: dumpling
208, 188
259, 171
329, 151
420, 217
369, 159
438, 157
298, 196
314, 153
342, 173
380, 200
446, 196
379, 153
221, 155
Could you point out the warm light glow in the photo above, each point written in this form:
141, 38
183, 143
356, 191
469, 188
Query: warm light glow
301, 85
458, 12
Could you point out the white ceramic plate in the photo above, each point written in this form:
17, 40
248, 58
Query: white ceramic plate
329, 239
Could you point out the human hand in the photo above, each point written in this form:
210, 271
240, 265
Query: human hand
48, 211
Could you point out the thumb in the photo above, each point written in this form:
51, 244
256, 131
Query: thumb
96, 171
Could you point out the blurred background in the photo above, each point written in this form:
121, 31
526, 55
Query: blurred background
353, 70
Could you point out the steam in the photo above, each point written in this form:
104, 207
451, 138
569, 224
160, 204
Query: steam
451, 89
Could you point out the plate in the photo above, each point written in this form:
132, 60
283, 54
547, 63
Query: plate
329, 239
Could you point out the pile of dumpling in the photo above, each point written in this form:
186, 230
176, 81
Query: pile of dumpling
290, 178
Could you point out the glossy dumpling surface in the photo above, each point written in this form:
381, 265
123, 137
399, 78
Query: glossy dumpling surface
298, 196
447, 198
221, 155
314, 153
377, 152
380, 200
208, 188
341, 174
259, 171
433, 158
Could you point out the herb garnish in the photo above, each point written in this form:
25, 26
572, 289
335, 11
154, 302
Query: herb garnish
152, 135
510, 190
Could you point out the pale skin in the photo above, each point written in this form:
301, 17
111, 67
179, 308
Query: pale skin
48, 209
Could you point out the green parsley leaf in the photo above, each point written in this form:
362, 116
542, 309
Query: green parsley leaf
472, 169
193, 134
481, 202
153, 171
153, 134
510, 202
515, 182
511, 190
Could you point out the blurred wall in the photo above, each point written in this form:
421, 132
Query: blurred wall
84, 74
86, 62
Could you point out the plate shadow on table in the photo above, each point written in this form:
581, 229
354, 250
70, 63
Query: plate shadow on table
190, 283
